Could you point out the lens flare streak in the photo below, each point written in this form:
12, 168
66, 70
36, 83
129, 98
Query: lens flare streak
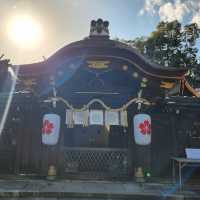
9, 100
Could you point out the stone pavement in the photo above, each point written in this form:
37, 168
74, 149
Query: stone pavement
73, 189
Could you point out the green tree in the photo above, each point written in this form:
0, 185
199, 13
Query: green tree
172, 45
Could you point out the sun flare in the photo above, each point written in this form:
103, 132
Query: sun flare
24, 31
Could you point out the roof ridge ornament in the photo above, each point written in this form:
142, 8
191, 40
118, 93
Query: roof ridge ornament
99, 28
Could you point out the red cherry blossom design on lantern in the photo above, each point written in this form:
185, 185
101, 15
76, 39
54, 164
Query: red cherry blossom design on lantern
47, 127
145, 127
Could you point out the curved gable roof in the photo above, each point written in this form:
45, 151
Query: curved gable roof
104, 47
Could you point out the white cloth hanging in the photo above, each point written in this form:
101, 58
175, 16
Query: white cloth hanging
111, 118
69, 118
96, 117
78, 117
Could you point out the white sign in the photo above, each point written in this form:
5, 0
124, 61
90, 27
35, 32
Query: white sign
192, 153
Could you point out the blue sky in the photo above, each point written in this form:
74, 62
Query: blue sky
64, 21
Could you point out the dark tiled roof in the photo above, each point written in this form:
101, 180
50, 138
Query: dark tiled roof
98, 46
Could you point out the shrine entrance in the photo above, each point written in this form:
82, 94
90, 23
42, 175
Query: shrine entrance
95, 151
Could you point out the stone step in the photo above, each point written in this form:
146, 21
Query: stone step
91, 190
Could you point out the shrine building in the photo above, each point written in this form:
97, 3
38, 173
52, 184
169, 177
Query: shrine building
96, 108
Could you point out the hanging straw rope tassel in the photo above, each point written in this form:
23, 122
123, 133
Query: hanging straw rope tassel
86, 118
124, 118
69, 119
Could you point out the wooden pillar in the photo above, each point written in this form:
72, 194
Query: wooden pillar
131, 155
19, 140
173, 133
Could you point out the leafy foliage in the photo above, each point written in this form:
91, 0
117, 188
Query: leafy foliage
172, 45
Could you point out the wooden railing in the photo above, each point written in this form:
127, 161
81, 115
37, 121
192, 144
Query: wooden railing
108, 161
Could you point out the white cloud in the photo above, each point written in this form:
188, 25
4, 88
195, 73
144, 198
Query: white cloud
169, 10
150, 6
196, 19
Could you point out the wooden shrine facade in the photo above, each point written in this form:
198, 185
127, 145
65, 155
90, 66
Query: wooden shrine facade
96, 87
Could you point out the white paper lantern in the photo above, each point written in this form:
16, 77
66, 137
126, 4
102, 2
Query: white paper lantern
142, 129
50, 129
